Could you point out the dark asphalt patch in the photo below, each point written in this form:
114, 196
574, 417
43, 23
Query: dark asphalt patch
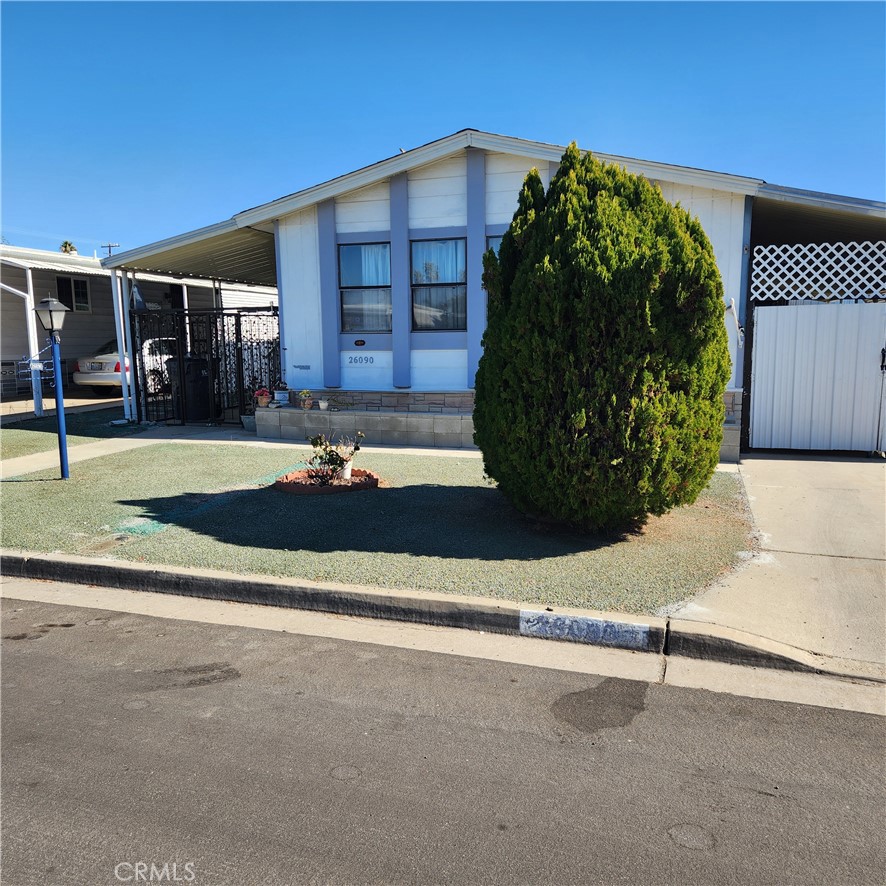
612, 705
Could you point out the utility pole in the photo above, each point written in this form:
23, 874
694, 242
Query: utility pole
110, 246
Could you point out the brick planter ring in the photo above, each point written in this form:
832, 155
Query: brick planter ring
298, 483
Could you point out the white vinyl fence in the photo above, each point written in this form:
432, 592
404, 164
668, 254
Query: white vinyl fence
819, 356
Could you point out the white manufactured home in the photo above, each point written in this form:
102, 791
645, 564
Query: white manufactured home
382, 305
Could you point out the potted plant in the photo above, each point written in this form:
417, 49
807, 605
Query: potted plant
262, 397
323, 404
307, 399
281, 391
247, 415
332, 461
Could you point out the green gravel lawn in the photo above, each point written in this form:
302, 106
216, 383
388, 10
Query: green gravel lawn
41, 435
437, 526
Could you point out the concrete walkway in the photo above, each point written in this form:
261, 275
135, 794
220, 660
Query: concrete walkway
820, 581
21, 409
819, 584
192, 434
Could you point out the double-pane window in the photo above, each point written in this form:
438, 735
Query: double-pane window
73, 293
439, 293
493, 243
365, 279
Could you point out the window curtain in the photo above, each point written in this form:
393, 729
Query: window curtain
360, 267
365, 265
439, 261
369, 310
376, 264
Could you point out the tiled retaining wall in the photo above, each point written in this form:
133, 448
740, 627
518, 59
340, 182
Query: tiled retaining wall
440, 402
384, 426
417, 419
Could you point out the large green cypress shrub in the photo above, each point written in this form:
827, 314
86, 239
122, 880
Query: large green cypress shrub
599, 396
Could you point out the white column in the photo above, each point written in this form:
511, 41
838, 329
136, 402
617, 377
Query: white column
127, 331
187, 322
34, 345
121, 345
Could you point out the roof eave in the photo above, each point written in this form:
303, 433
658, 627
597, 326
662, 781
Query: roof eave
437, 150
688, 175
133, 256
855, 205
353, 181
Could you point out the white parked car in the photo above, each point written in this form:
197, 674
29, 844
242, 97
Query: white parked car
101, 370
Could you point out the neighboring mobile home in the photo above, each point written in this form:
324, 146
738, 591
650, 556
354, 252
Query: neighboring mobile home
381, 298
85, 287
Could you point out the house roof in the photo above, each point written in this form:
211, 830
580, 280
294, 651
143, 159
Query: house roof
813, 217
22, 257
41, 259
242, 248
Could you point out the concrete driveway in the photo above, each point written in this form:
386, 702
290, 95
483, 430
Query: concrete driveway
820, 580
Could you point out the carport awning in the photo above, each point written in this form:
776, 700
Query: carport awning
223, 252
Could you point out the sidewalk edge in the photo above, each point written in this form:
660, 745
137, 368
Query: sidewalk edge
614, 630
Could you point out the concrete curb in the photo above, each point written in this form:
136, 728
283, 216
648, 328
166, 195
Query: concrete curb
667, 637
712, 642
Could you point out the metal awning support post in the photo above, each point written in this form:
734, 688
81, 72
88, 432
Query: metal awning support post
121, 345
34, 346
127, 331
187, 325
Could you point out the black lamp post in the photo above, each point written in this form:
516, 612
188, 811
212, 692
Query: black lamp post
52, 315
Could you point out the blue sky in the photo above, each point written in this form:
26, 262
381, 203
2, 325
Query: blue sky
137, 121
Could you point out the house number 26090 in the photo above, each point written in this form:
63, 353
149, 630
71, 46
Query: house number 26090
360, 361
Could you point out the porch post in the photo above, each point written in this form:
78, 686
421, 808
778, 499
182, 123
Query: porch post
127, 332
186, 322
121, 345
34, 346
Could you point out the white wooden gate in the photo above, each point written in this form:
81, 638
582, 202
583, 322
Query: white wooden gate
818, 370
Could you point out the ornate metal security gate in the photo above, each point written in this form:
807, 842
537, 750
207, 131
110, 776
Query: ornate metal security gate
202, 366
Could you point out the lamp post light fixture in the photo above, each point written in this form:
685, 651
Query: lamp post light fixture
52, 315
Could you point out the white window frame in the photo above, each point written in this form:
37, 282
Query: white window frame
343, 289
413, 285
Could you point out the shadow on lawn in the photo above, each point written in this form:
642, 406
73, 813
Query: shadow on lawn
457, 522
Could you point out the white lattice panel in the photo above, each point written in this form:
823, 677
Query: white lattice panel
820, 271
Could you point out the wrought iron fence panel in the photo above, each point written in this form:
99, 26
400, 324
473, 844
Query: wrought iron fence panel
202, 366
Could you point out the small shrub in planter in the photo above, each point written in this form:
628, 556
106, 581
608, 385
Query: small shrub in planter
599, 395
332, 460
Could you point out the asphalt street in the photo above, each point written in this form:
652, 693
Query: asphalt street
246, 756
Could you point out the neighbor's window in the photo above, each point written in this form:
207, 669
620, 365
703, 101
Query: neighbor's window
364, 275
439, 293
73, 293
493, 243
